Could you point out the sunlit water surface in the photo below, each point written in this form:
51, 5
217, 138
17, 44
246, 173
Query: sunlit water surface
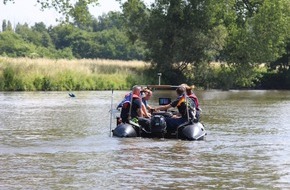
51, 141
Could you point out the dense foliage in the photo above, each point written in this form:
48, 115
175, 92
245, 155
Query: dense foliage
184, 36
104, 38
180, 38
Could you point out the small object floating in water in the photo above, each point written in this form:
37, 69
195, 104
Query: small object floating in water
71, 95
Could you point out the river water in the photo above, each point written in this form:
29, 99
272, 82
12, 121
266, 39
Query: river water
51, 141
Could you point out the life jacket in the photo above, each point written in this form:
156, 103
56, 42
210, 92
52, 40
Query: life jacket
195, 99
127, 98
126, 106
185, 103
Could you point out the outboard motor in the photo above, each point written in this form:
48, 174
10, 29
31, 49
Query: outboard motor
158, 124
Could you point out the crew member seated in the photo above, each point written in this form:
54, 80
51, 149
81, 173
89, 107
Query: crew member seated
186, 113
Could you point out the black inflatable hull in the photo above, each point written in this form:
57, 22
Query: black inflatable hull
193, 131
190, 132
125, 130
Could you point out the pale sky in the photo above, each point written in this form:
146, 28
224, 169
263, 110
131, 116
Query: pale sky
28, 11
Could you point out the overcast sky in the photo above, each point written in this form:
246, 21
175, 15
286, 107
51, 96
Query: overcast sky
28, 11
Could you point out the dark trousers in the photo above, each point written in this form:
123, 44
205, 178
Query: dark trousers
144, 122
173, 123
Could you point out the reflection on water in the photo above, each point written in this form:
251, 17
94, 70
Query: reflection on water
51, 141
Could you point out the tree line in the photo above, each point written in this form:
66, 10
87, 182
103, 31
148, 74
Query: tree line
249, 40
104, 38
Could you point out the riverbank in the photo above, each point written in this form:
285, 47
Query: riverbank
28, 74
25, 74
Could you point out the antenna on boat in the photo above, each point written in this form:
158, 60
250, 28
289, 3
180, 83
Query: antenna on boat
186, 104
111, 117
130, 108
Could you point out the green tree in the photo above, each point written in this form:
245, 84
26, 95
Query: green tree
136, 19
81, 44
183, 36
28, 34
37, 34
177, 33
9, 26
108, 21
4, 25
13, 45
257, 36
81, 15
113, 44
60, 35
39, 27
270, 30
44, 38
108, 42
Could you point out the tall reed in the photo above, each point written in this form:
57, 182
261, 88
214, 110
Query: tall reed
25, 74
